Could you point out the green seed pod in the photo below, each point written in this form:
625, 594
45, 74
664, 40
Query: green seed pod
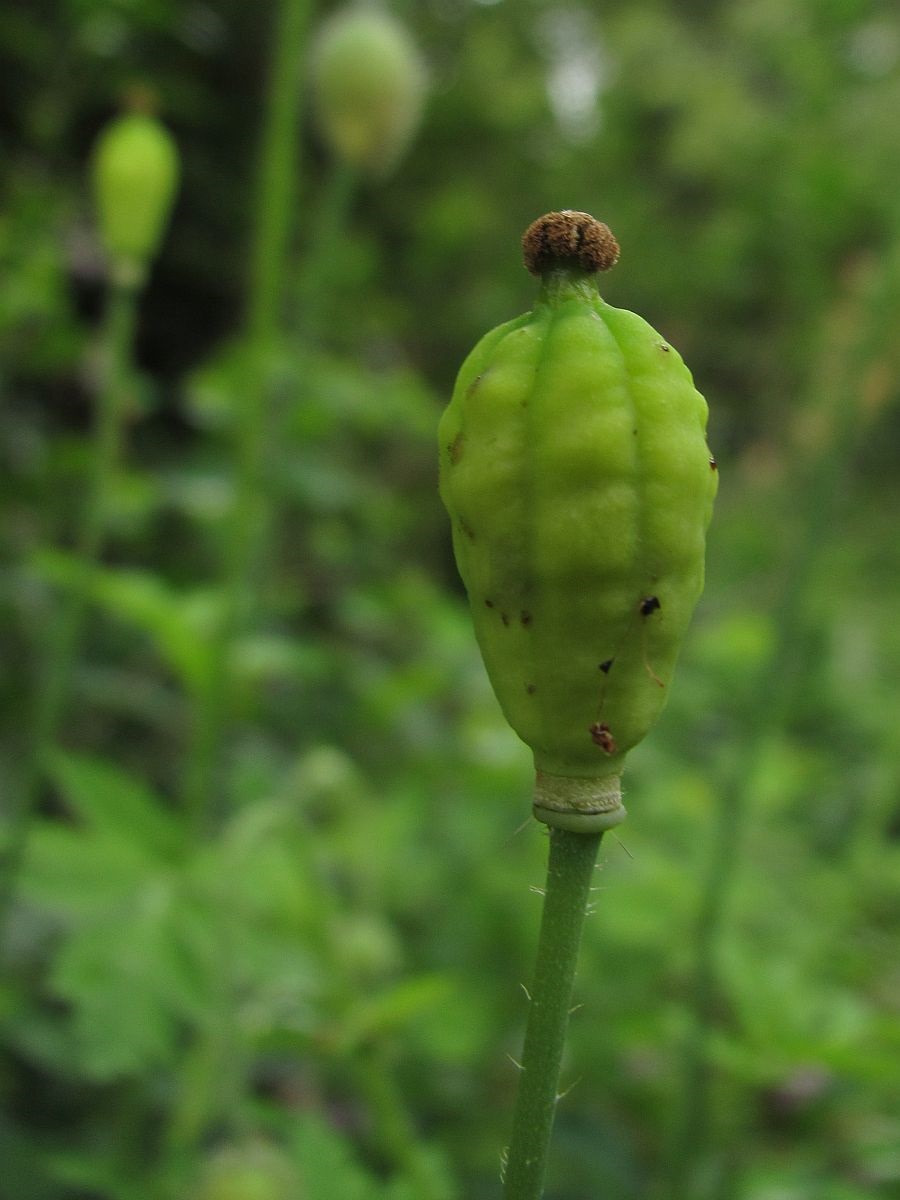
252, 1170
575, 469
368, 88
135, 174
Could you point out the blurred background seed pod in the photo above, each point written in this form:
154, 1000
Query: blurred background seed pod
250, 1170
135, 173
368, 83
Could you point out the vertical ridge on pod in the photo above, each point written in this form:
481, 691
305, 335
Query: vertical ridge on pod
584, 477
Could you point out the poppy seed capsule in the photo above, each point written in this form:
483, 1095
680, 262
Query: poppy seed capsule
576, 473
368, 86
135, 172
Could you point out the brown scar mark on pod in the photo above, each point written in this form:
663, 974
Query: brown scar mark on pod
606, 665
601, 736
526, 617
474, 385
663, 346
467, 529
713, 465
489, 603
455, 449
649, 605
653, 675
504, 617
530, 688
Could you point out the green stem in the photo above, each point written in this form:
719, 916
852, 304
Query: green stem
278, 172
393, 1130
569, 873
60, 643
322, 249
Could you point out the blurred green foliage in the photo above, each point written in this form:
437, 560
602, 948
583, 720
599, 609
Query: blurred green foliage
317, 997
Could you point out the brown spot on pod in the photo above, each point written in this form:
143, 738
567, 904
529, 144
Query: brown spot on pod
714, 466
649, 605
601, 736
489, 603
530, 688
606, 665
504, 617
526, 617
473, 386
663, 346
467, 529
455, 449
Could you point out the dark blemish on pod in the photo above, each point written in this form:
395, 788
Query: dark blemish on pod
504, 617
489, 603
455, 449
713, 465
649, 605
530, 688
605, 666
467, 529
601, 736
663, 346
473, 386
525, 618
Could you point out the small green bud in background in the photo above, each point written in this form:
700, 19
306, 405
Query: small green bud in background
368, 88
135, 173
252, 1170
575, 469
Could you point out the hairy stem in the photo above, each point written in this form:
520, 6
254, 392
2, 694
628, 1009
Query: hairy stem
569, 873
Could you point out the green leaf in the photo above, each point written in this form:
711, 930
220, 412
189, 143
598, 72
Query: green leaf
97, 1174
394, 1007
112, 803
179, 624
131, 981
329, 1171
76, 874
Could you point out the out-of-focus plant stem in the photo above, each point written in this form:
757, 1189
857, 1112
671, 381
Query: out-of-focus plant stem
60, 643
273, 220
393, 1130
852, 335
323, 246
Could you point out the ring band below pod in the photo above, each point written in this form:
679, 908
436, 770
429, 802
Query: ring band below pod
578, 804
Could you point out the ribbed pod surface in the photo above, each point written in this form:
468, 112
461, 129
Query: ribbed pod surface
575, 469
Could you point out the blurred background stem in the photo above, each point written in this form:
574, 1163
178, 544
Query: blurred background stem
246, 534
323, 248
853, 332
394, 1133
60, 644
